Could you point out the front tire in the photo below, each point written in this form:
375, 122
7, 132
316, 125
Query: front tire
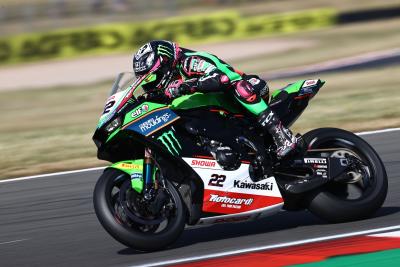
130, 235
332, 202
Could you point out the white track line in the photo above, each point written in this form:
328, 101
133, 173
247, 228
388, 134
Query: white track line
14, 241
101, 168
50, 174
379, 131
255, 249
388, 234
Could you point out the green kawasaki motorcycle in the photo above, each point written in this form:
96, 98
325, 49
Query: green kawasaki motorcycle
201, 161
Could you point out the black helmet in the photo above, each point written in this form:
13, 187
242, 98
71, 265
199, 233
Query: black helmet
156, 59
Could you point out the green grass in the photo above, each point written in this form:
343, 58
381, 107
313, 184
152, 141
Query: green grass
50, 129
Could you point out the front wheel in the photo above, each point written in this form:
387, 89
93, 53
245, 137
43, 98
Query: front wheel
364, 190
132, 221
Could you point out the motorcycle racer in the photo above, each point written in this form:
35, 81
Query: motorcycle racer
177, 71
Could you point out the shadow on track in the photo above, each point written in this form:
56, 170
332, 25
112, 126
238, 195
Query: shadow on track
280, 222
385, 211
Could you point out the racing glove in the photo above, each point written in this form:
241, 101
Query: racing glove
178, 88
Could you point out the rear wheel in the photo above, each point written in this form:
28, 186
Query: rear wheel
131, 220
362, 190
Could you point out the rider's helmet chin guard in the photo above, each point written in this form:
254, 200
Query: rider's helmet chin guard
156, 60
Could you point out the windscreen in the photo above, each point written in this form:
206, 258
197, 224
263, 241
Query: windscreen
125, 87
128, 80
122, 82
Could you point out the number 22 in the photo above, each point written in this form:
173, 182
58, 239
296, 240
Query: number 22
217, 180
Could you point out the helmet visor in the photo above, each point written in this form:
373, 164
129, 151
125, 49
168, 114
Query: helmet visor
144, 64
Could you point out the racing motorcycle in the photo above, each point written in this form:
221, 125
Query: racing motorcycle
200, 161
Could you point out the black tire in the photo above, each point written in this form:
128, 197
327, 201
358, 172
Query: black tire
131, 237
331, 206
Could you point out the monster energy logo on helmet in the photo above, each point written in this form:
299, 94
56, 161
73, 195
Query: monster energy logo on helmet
165, 51
169, 140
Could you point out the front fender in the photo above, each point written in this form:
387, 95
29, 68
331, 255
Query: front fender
134, 168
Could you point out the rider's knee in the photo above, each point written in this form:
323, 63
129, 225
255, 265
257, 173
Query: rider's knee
259, 85
246, 93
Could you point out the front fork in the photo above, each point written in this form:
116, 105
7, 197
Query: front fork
142, 172
150, 184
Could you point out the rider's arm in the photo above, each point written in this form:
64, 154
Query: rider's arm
206, 75
215, 82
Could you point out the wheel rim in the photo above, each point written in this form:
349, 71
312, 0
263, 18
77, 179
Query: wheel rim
360, 182
123, 216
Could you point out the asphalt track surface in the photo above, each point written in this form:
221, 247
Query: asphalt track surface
50, 221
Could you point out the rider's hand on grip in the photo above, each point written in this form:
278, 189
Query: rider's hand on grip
173, 90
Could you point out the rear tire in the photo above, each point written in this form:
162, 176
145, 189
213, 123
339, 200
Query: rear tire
129, 236
327, 202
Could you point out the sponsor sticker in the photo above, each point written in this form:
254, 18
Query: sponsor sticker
230, 200
140, 111
308, 83
152, 122
256, 186
203, 163
322, 172
170, 142
131, 166
316, 166
136, 176
315, 160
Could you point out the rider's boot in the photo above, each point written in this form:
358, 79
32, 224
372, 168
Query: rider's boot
284, 139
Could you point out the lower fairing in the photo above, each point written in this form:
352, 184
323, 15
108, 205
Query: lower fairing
234, 193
